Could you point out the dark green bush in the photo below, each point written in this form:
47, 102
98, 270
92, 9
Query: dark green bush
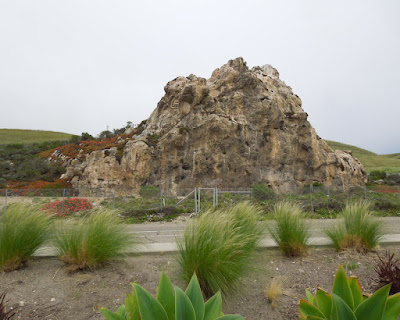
261, 192
149, 192
376, 175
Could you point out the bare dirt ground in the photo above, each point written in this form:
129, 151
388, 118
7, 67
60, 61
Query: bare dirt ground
45, 290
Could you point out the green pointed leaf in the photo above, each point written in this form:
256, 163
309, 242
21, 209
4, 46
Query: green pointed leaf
109, 315
341, 287
213, 307
356, 291
310, 297
193, 291
122, 311
343, 310
315, 318
231, 317
324, 302
392, 310
183, 306
132, 307
166, 296
308, 309
150, 308
374, 307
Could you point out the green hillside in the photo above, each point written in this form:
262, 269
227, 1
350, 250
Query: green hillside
8, 136
371, 161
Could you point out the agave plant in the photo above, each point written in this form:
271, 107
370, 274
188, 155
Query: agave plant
170, 304
347, 302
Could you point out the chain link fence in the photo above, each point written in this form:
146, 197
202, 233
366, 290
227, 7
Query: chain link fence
154, 204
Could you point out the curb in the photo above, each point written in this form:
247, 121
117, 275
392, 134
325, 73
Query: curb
150, 248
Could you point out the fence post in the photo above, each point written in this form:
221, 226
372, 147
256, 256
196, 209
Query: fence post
216, 196
311, 198
329, 193
62, 204
5, 199
161, 206
195, 200
198, 207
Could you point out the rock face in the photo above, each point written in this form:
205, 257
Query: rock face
238, 128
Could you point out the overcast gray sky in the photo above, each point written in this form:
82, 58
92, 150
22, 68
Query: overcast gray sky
80, 66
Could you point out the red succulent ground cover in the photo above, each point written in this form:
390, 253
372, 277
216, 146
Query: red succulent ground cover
82, 148
71, 205
39, 184
386, 189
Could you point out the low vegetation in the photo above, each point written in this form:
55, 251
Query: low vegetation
347, 302
290, 231
65, 208
4, 313
23, 229
359, 230
92, 241
218, 247
273, 291
388, 270
170, 304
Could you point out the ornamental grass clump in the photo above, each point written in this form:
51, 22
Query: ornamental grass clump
218, 247
290, 231
92, 241
359, 229
23, 229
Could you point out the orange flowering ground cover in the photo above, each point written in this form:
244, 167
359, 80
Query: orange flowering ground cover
67, 207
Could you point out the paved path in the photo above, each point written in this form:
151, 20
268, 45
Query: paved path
160, 236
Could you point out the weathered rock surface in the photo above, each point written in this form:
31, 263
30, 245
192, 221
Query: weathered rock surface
236, 129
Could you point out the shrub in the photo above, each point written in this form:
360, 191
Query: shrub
23, 229
169, 305
388, 270
290, 231
261, 192
376, 175
218, 247
92, 241
4, 314
67, 207
359, 230
149, 192
347, 302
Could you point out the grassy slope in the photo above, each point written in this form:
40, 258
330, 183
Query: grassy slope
28, 136
371, 161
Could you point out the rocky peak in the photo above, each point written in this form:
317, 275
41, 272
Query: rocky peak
239, 127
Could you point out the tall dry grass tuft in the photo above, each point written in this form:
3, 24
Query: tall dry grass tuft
92, 241
218, 247
23, 229
359, 229
290, 231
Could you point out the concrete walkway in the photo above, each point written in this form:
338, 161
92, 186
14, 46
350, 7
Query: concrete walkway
159, 237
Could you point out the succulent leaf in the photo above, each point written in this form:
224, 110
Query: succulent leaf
183, 306
392, 310
195, 295
308, 309
341, 287
166, 296
356, 291
374, 307
150, 308
213, 307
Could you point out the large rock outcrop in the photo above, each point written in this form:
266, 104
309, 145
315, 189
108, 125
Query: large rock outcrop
236, 129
